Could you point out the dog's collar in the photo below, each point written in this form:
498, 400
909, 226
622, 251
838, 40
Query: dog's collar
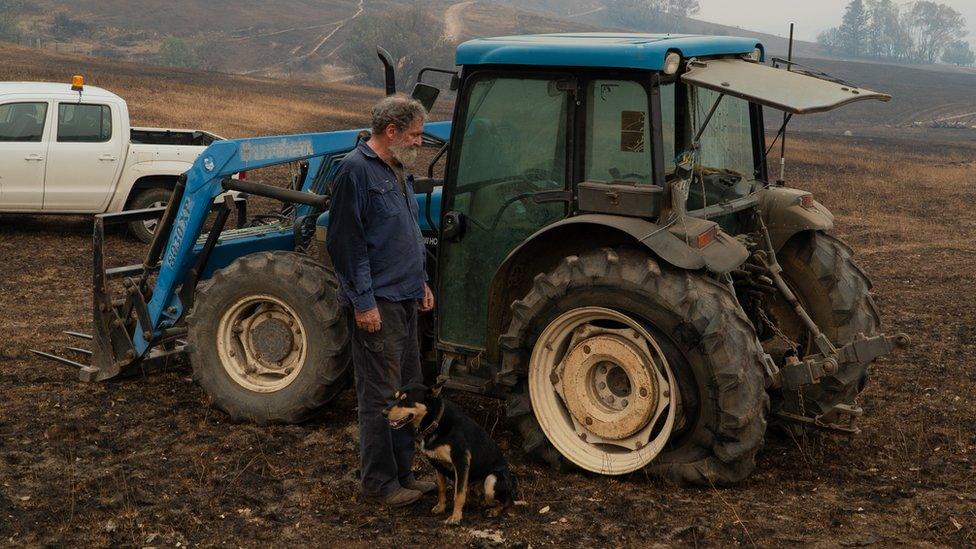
433, 424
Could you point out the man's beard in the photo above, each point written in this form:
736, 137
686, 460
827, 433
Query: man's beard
405, 154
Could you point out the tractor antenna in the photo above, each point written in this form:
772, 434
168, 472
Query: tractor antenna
782, 144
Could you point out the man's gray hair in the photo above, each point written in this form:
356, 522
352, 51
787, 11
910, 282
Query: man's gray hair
399, 109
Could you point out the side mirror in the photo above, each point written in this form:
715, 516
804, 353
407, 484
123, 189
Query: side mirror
425, 185
426, 94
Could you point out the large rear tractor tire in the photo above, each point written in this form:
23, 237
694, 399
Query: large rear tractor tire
267, 340
837, 295
633, 364
148, 198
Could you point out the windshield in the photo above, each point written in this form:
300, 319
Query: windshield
726, 143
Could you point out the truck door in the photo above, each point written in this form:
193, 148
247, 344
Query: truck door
511, 144
24, 133
84, 158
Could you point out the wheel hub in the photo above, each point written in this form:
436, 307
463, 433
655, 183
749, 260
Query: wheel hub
599, 375
271, 339
261, 343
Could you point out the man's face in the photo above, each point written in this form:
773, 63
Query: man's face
405, 145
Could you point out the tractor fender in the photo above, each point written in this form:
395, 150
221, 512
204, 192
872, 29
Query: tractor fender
785, 217
723, 254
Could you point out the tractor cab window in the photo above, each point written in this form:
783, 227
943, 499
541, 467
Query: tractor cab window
724, 165
726, 143
618, 132
512, 146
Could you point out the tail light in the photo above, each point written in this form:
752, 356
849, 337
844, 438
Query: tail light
706, 238
242, 175
806, 200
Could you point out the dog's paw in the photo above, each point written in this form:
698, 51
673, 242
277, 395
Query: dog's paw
439, 508
452, 520
494, 512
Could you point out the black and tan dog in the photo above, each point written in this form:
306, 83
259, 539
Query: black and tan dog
458, 448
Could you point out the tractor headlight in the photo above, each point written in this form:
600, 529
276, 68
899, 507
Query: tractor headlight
671, 62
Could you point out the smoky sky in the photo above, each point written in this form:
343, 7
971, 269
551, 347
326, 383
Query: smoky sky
811, 16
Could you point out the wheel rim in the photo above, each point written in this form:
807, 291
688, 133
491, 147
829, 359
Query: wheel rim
150, 224
601, 389
262, 343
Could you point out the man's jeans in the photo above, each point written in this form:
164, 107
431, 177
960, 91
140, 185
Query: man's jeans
383, 361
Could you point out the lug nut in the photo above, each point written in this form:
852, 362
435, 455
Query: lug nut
602, 386
586, 349
232, 352
624, 402
643, 392
554, 378
666, 393
583, 437
588, 420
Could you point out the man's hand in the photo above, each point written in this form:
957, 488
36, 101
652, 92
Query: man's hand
427, 303
369, 320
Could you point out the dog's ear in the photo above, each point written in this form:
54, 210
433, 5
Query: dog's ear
435, 390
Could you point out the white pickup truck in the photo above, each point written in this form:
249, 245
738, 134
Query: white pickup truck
69, 149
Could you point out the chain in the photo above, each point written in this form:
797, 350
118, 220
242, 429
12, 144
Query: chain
776, 331
779, 333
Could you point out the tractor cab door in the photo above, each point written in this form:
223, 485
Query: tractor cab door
508, 176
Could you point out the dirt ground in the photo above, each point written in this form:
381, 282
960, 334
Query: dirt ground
146, 462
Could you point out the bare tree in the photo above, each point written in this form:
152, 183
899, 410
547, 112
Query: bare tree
959, 53
853, 29
932, 27
411, 36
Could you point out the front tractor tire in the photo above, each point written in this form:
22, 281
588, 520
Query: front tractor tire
267, 340
634, 364
837, 295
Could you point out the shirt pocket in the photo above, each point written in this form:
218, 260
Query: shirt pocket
383, 199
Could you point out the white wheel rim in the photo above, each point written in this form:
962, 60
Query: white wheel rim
262, 343
603, 427
150, 224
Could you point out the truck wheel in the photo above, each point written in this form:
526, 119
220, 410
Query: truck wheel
633, 364
267, 340
837, 295
148, 198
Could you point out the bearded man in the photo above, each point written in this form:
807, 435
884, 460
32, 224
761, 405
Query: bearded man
377, 249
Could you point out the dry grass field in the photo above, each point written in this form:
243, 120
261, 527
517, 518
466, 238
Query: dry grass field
145, 462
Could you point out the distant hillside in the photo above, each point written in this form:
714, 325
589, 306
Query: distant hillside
229, 105
594, 12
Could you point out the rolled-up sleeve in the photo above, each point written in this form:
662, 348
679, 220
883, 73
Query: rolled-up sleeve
346, 237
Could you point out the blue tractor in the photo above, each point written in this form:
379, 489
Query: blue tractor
608, 252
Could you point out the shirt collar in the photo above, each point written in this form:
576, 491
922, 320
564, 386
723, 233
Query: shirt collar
366, 150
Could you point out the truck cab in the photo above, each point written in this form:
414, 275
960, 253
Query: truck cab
69, 149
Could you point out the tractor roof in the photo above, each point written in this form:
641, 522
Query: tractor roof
605, 49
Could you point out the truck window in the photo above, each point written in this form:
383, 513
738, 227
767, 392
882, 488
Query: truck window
81, 123
618, 132
22, 122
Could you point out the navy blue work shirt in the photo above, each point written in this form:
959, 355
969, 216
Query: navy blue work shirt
373, 236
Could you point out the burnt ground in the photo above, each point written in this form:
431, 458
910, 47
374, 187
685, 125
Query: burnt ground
147, 462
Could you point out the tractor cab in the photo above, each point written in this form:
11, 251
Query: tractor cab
567, 130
